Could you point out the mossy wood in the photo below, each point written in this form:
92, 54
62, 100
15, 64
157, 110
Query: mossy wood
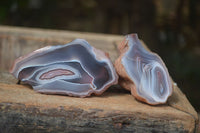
23, 110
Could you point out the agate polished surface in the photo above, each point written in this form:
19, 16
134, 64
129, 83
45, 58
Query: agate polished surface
74, 69
142, 72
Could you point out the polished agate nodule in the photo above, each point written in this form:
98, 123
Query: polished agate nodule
142, 72
74, 69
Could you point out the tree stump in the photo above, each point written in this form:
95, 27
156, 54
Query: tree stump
23, 110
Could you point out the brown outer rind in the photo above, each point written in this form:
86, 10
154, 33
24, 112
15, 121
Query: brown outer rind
125, 81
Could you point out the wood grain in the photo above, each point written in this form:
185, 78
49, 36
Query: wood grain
23, 110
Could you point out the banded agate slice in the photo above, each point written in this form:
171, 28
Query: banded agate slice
74, 69
142, 72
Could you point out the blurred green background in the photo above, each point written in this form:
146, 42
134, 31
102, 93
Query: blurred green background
170, 28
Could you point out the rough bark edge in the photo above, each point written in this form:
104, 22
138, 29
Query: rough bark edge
32, 118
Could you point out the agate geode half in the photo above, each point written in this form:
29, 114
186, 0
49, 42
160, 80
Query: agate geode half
74, 69
142, 72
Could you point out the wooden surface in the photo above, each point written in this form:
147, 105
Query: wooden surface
15, 42
23, 110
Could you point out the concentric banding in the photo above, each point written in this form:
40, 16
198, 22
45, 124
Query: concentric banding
75, 69
147, 71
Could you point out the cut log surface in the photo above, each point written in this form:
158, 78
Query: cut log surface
24, 110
